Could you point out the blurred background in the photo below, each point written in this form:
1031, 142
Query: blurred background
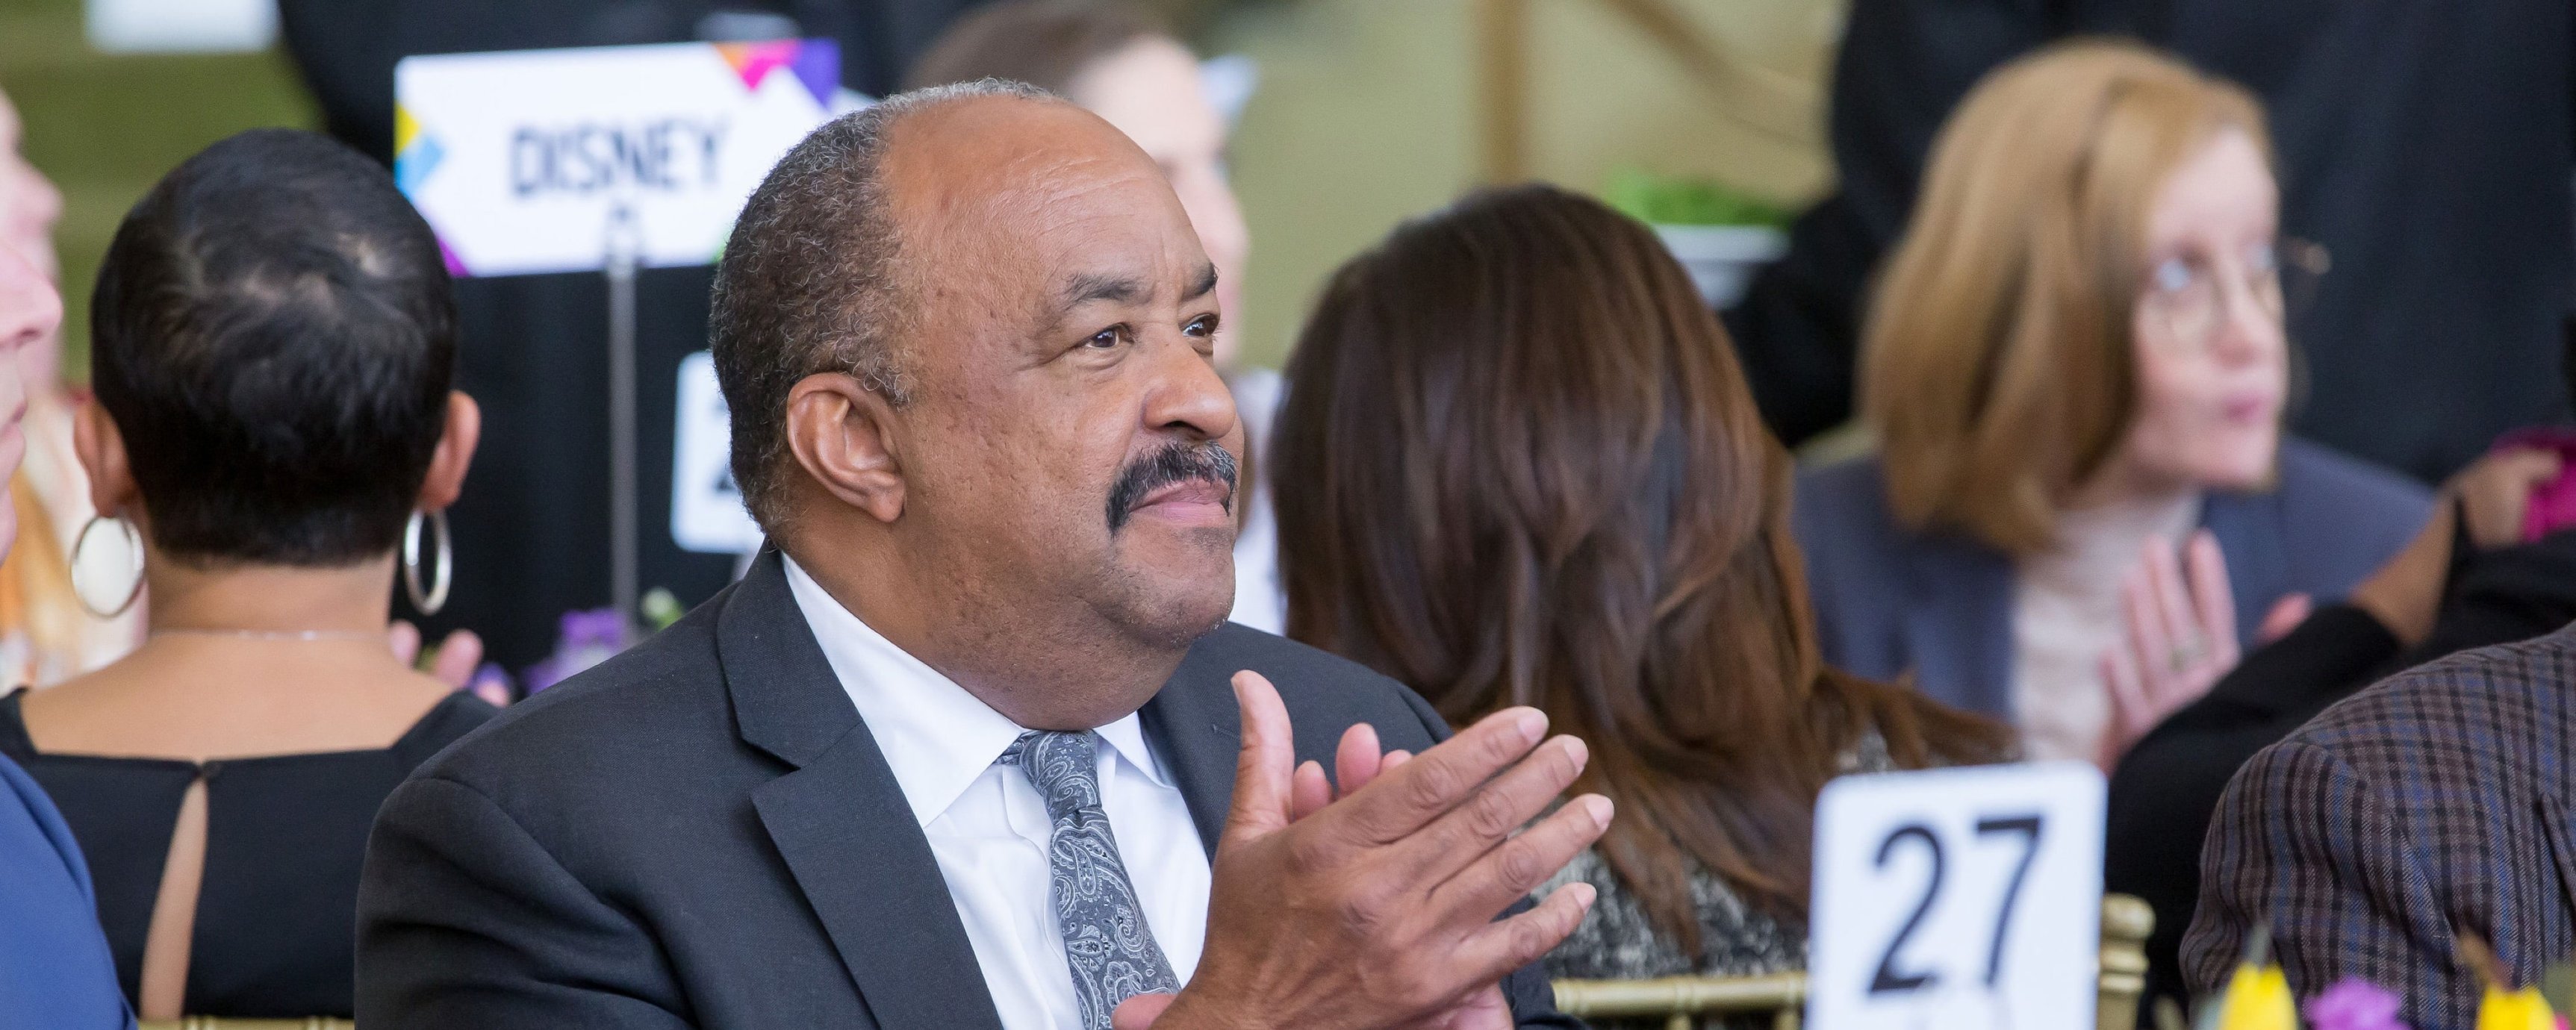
1359, 114
1366, 111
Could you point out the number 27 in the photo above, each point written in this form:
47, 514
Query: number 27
1891, 980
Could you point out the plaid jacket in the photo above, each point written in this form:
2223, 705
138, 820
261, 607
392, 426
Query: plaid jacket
2433, 802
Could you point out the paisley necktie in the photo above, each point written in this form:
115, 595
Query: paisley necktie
1106, 942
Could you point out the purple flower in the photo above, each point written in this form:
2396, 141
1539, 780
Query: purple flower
2354, 1004
589, 638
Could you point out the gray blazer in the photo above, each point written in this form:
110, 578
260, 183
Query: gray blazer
1890, 601
701, 833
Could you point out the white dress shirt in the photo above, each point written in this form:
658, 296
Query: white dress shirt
988, 827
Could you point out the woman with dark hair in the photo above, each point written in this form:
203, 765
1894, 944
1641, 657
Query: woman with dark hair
1530, 474
272, 342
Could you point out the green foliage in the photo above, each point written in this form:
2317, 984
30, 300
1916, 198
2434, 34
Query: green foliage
1672, 200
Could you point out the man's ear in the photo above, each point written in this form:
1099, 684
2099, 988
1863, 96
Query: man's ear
843, 435
455, 452
101, 449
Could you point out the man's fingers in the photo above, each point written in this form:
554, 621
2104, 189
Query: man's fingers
1518, 865
1394, 805
1308, 791
1468, 832
2213, 598
1357, 761
1393, 758
1493, 951
1263, 769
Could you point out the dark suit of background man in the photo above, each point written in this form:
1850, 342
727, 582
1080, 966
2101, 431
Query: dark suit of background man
2427, 143
958, 753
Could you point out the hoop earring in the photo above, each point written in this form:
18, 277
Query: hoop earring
133, 544
430, 601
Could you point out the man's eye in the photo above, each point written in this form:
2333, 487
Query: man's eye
1202, 326
1107, 338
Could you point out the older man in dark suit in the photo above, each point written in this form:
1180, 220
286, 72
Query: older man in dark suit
962, 752
2434, 804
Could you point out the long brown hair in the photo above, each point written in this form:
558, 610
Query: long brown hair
1519, 465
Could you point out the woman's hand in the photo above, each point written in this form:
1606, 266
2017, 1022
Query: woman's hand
2178, 636
2493, 494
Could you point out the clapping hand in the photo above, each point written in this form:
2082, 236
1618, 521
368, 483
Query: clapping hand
1374, 906
2178, 636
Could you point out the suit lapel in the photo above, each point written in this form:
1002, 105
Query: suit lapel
1198, 726
840, 820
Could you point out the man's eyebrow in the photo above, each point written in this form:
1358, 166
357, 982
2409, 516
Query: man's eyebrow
1205, 282
1086, 287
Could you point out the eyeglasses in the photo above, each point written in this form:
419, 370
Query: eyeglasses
2188, 292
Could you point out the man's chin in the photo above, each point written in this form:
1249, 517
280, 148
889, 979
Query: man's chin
1184, 588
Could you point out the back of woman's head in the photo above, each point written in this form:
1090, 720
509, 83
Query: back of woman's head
1519, 465
273, 334
1998, 367
1045, 43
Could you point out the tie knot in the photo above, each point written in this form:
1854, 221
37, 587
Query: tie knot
1064, 767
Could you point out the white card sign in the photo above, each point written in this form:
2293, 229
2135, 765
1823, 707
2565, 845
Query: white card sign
706, 507
518, 158
1957, 898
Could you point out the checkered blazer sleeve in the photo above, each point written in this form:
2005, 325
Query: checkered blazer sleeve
2305, 841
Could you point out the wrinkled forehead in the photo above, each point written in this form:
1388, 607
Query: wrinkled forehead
1009, 198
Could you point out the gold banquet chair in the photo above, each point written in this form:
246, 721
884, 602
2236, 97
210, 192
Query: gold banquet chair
1678, 1000
1682, 1000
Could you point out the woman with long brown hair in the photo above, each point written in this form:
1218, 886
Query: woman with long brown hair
1528, 472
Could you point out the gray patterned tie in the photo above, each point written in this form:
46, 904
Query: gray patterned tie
1106, 942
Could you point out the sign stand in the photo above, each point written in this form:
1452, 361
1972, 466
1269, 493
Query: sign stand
624, 249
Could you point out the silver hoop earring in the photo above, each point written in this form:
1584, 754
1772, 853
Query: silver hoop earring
133, 545
430, 601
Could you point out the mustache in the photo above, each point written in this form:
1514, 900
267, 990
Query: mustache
1173, 463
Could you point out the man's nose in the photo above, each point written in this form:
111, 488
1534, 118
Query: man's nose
1186, 395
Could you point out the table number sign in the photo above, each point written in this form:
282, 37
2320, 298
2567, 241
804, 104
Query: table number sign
1957, 898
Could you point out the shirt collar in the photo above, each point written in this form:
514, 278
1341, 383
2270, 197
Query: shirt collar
936, 737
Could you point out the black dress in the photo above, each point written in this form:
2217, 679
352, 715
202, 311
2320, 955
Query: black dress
276, 915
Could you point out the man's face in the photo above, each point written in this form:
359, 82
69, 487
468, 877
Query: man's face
1067, 440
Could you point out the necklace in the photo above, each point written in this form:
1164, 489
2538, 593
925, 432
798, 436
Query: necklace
272, 634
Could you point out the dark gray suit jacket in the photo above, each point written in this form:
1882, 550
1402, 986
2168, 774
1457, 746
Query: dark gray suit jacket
700, 832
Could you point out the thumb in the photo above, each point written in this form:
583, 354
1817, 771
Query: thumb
2286, 615
1139, 1012
1264, 770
